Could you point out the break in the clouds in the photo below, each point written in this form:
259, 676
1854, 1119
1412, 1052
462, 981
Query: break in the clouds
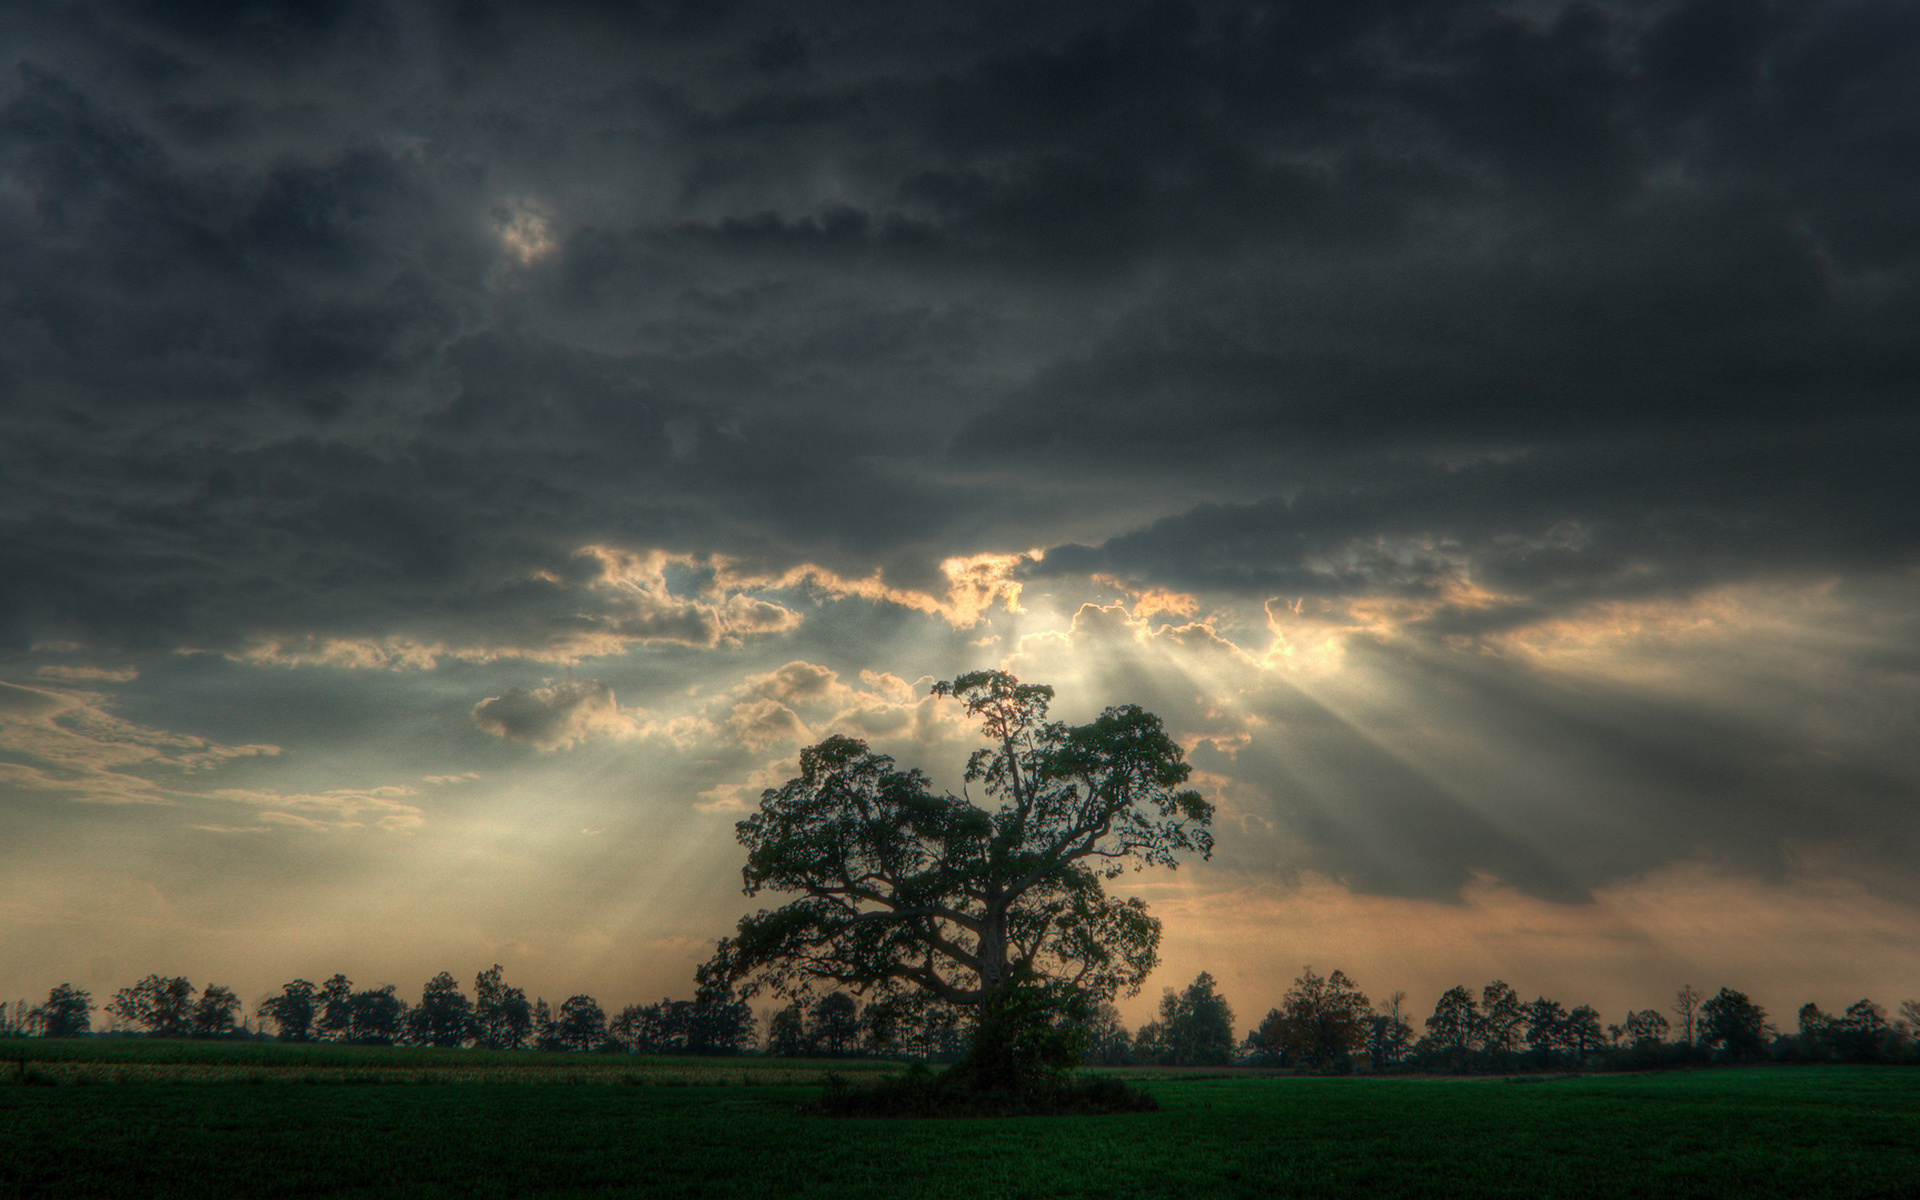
1485, 432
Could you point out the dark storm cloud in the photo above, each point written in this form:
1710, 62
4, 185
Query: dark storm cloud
333, 332
1552, 528
337, 312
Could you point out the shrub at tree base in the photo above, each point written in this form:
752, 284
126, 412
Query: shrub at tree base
920, 1093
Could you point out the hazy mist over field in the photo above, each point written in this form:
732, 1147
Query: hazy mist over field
454, 455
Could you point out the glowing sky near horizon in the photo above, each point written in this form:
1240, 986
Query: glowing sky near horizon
452, 457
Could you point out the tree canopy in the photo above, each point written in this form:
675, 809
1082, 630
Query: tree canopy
163, 1005
1195, 1028
1320, 1021
902, 890
502, 1016
65, 1014
1730, 1019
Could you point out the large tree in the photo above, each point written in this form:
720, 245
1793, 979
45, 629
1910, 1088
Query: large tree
65, 1014
336, 1008
1584, 1034
1453, 1028
293, 1010
833, 1025
444, 1016
378, 1016
1320, 1023
1502, 1017
217, 1012
1645, 1027
502, 1016
1547, 1029
999, 912
582, 1024
1733, 1021
1195, 1028
161, 1003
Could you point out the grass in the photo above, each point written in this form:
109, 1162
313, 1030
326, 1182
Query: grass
1798, 1132
921, 1094
140, 1060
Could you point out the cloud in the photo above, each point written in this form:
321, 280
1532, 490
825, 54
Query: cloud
765, 723
382, 808
556, 717
973, 584
605, 603
69, 744
877, 320
1484, 431
70, 674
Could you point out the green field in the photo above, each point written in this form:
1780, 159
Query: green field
134, 1060
1788, 1132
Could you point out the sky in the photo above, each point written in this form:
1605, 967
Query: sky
453, 456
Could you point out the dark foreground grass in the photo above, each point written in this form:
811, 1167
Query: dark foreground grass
919, 1094
1792, 1132
297, 1056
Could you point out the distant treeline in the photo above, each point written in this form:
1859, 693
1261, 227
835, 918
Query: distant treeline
1326, 1024
1323, 1024
498, 1016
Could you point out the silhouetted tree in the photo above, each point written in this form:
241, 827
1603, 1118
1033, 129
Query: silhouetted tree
631, 1027
1453, 1025
1195, 1028
1388, 1031
1108, 1042
719, 1022
546, 1034
336, 1008
1686, 1006
1584, 1035
886, 1026
66, 1012
293, 1010
1547, 1028
1321, 1022
1502, 1018
1645, 1026
163, 1005
671, 1026
711, 1023
1909, 1022
1816, 1033
1735, 1022
217, 1014
582, 1024
833, 1024
444, 1016
378, 1017
1001, 913
943, 1033
1862, 1034
502, 1018
787, 1032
